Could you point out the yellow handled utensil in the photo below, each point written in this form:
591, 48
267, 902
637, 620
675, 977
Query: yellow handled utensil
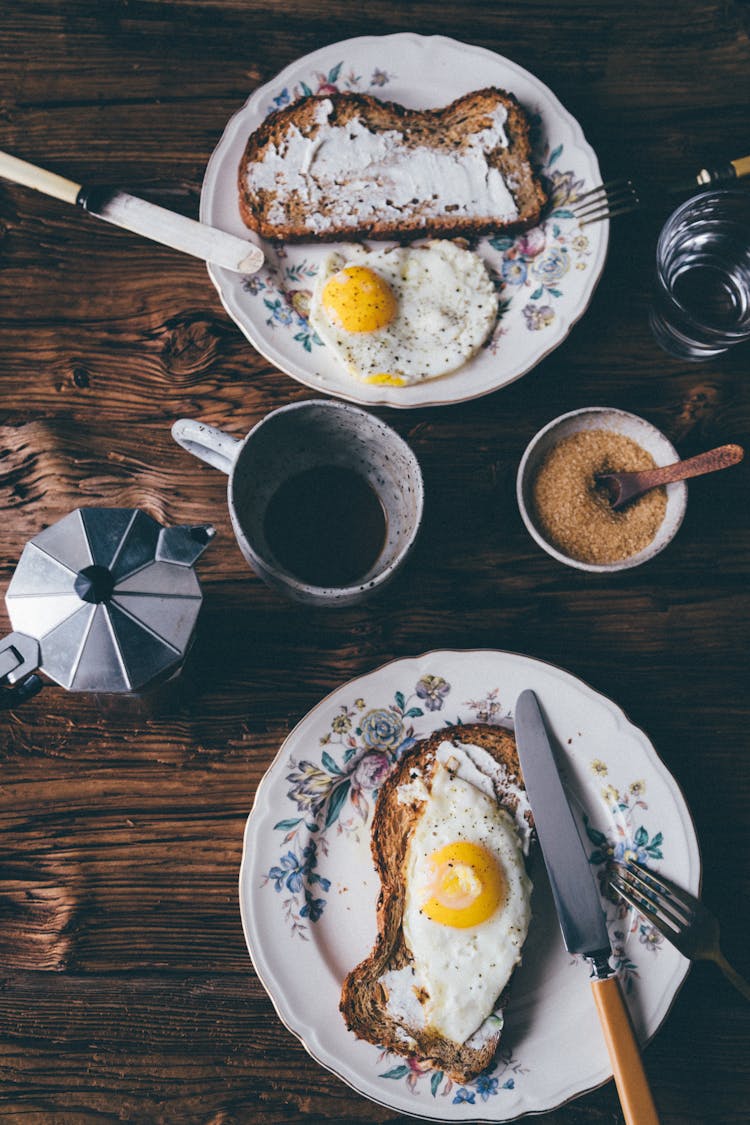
579, 906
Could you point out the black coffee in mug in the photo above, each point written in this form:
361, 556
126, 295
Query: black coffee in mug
326, 525
325, 499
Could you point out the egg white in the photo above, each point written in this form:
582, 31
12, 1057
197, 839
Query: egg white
446, 307
462, 971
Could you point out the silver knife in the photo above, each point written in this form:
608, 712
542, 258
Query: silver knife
579, 906
141, 217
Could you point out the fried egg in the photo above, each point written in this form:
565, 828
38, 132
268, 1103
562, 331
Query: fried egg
406, 314
466, 908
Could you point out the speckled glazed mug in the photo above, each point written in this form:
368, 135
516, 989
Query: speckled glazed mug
296, 438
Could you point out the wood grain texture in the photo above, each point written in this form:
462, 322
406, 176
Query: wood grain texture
126, 992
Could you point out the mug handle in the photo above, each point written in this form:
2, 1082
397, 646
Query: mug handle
213, 446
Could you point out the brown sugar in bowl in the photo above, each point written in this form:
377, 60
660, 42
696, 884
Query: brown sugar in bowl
583, 532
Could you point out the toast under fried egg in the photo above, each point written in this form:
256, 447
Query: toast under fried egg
450, 834
346, 165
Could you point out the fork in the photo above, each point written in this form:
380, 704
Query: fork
620, 197
675, 913
617, 197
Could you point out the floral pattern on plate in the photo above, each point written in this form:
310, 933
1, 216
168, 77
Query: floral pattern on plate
338, 795
550, 999
557, 258
629, 840
502, 1075
534, 264
531, 266
364, 741
330, 82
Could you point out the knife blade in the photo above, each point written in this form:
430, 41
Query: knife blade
577, 900
578, 904
141, 217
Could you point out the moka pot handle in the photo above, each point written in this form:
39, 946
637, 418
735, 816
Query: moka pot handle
19, 659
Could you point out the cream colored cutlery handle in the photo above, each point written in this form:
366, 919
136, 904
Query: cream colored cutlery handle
21, 172
624, 1053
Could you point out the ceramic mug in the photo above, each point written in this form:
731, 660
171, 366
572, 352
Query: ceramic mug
303, 436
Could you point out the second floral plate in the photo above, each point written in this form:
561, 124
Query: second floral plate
546, 277
308, 888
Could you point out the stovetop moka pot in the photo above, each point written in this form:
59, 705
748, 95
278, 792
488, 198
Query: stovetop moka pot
104, 600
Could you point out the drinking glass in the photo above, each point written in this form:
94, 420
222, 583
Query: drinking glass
701, 306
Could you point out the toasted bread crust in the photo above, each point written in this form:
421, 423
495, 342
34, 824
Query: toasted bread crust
363, 999
446, 129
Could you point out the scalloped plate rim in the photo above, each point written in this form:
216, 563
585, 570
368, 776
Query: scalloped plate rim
359, 391
674, 986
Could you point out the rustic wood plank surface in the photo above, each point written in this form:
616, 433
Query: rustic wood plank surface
126, 992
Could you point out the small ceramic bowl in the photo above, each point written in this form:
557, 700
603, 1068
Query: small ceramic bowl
619, 421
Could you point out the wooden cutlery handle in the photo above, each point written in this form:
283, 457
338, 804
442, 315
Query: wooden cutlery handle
720, 458
624, 1053
21, 172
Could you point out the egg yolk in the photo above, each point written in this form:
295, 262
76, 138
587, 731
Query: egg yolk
467, 886
385, 380
358, 300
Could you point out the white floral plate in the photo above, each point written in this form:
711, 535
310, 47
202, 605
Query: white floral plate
308, 888
547, 276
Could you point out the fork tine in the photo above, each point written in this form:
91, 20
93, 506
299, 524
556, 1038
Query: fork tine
599, 217
668, 926
698, 938
600, 189
600, 206
661, 884
608, 188
605, 201
662, 901
604, 205
606, 214
612, 197
618, 197
617, 883
590, 199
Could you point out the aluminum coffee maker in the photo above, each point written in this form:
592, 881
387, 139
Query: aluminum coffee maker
105, 600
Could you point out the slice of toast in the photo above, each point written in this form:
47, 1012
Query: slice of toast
345, 165
364, 998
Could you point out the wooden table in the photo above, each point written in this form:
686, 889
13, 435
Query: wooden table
126, 990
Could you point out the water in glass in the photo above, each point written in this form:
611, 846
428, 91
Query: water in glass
702, 300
